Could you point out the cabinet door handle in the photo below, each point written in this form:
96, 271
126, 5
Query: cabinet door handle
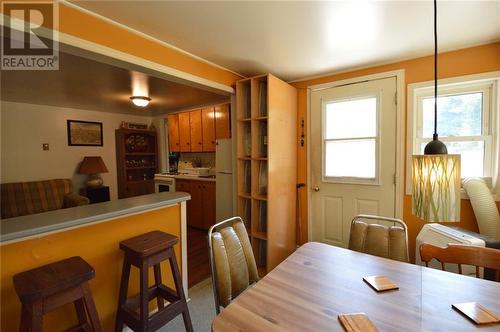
199, 143
187, 143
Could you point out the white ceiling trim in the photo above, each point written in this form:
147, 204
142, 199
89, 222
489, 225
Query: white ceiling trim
389, 62
144, 35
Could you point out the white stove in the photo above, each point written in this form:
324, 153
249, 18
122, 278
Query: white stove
164, 182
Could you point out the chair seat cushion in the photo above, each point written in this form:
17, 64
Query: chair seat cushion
52, 278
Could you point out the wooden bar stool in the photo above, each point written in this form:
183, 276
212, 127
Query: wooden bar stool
145, 251
51, 286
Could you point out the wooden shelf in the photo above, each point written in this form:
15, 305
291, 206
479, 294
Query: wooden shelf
140, 154
125, 169
260, 118
142, 167
266, 110
260, 197
139, 181
260, 235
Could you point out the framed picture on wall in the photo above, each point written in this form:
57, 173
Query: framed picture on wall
84, 133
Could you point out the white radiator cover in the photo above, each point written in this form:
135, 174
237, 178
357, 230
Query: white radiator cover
440, 235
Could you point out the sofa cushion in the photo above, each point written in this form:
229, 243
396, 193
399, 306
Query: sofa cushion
24, 198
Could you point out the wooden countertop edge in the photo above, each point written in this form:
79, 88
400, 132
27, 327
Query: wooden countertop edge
18, 228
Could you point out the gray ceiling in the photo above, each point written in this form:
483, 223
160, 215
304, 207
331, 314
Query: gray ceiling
84, 83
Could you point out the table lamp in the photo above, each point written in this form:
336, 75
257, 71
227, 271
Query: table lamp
93, 166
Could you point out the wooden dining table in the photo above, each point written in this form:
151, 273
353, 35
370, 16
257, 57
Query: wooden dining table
318, 282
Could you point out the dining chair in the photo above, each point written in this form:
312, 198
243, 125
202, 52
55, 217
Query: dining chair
461, 254
232, 263
370, 235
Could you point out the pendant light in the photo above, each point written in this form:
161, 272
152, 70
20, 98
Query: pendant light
436, 174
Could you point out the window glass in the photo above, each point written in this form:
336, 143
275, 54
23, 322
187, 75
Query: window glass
350, 158
351, 119
458, 115
472, 156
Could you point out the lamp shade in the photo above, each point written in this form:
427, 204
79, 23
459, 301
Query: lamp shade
92, 165
436, 187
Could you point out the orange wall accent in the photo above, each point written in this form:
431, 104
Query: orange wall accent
467, 61
82, 25
98, 245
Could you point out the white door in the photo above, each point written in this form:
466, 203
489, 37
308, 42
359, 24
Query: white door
353, 156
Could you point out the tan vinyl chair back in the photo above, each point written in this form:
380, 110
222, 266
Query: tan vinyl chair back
369, 236
461, 254
232, 262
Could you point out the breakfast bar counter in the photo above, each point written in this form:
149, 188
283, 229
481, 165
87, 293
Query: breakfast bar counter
92, 232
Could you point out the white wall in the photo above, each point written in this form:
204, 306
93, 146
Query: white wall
25, 127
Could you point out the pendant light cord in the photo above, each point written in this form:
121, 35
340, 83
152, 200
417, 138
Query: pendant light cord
435, 136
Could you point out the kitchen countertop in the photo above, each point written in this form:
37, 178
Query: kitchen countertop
189, 177
35, 225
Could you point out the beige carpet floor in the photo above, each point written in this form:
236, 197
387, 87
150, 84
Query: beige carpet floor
201, 309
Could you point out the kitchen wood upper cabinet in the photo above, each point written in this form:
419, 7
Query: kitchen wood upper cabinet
208, 125
184, 132
195, 129
174, 144
222, 121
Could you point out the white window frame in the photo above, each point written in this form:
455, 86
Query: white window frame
351, 179
488, 84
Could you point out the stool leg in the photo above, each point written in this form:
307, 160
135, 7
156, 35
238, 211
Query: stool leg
25, 319
180, 290
122, 297
80, 312
91, 309
36, 317
159, 299
144, 297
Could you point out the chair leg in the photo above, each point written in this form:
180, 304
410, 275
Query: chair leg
144, 297
180, 290
91, 309
80, 312
157, 272
122, 297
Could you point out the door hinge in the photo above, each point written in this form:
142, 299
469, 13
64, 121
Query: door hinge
395, 98
395, 178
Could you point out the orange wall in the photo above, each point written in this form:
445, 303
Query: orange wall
456, 63
98, 245
91, 28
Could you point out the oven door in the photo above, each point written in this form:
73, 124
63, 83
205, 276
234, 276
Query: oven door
165, 185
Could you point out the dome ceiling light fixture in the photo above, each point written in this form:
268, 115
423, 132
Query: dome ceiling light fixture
140, 101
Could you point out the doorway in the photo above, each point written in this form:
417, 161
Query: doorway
353, 156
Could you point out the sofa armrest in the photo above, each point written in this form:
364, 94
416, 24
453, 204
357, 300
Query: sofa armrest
73, 199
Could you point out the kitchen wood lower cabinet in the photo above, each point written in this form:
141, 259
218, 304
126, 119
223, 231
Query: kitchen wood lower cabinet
201, 207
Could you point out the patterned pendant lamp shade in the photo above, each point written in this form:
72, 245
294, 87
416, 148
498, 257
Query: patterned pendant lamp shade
436, 187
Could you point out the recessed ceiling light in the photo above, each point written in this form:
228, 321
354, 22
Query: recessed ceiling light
140, 101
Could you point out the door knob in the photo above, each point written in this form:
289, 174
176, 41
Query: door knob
316, 188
